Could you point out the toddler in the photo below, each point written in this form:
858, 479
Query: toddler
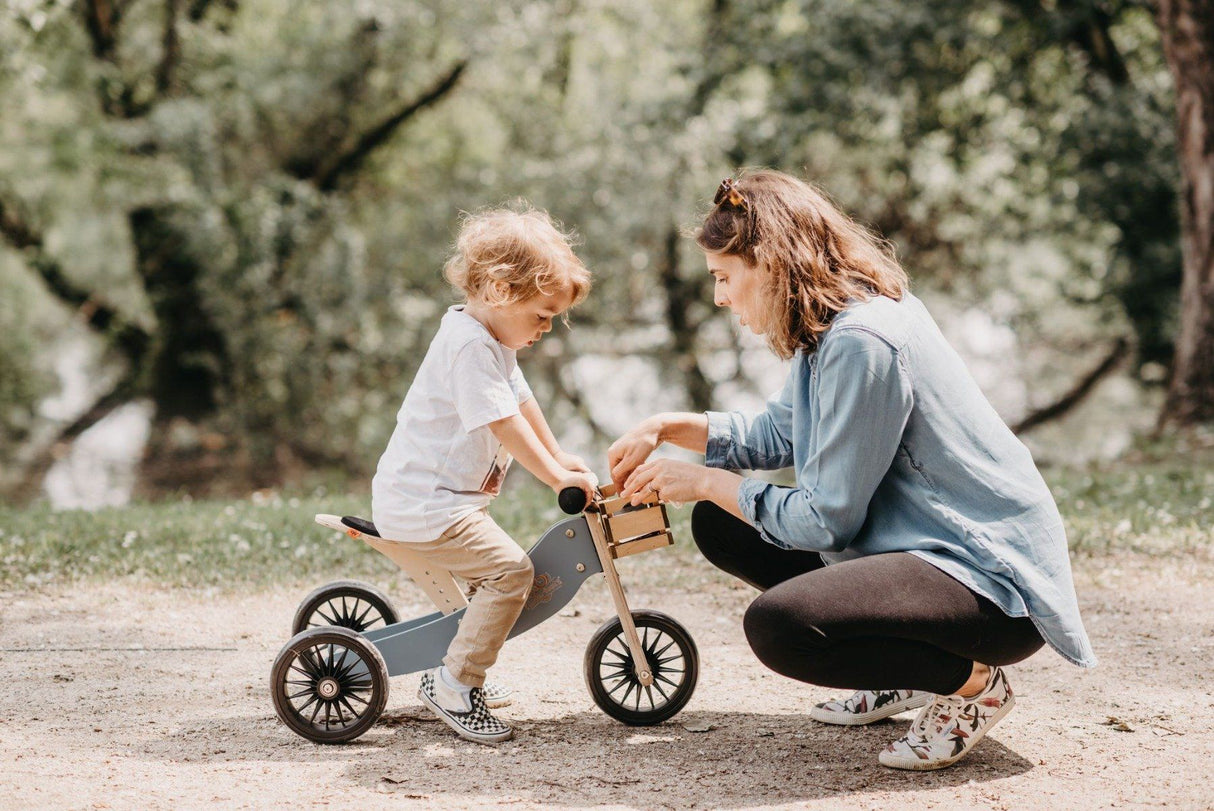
467, 413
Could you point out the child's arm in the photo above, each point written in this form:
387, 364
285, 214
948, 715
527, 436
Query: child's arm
520, 439
535, 418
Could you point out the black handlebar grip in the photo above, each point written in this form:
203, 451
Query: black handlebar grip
572, 500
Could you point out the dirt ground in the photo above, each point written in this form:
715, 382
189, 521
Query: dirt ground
137, 698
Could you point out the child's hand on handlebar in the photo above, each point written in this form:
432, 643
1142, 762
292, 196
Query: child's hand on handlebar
571, 461
586, 482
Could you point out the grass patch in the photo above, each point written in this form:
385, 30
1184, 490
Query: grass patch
1157, 502
262, 539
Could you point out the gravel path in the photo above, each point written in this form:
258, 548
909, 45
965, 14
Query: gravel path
125, 696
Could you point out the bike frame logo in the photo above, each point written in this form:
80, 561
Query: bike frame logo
542, 589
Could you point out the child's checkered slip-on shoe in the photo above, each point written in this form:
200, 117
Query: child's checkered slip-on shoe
866, 706
497, 695
467, 715
950, 726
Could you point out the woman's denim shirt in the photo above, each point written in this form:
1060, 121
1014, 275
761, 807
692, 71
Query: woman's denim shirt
896, 449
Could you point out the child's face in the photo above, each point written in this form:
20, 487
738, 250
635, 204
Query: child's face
738, 287
523, 323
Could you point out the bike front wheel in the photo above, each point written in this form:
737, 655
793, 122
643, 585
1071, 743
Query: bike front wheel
670, 655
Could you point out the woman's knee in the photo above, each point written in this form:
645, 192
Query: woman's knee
760, 624
777, 636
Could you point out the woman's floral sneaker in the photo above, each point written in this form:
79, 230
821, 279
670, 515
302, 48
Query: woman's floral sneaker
866, 706
950, 726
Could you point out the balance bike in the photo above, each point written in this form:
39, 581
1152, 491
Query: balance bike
330, 681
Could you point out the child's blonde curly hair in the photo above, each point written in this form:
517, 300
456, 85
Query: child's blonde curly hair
506, 255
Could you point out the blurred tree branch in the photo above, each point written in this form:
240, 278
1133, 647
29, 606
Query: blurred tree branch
681, 293
1085, 24
101, 20
1076, 394
35, 469
330, 173
199, 8
171, 49
129, 338
555, 372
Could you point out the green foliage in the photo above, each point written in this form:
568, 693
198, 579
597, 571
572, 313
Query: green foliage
1155, 503
1008, 158
288, 300
1157, 507
24, 380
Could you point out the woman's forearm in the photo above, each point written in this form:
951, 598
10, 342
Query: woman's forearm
686, 429
721, 488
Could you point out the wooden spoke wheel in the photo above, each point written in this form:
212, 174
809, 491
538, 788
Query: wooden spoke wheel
330, 685
670, 655
345, 604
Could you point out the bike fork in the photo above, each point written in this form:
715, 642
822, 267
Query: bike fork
640, 664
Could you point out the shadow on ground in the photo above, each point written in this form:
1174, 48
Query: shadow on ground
741, 759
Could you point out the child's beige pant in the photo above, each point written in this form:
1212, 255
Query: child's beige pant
499, 575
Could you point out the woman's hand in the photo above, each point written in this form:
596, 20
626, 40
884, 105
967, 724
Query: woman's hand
633, 448
669, 479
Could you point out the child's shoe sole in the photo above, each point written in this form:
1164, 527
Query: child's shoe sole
497, 696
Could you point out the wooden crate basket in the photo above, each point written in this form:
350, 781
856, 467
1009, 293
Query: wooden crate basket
630, 529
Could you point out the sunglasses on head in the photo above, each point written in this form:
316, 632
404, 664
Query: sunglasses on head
728, 191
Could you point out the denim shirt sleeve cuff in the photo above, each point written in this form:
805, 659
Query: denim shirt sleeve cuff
720, 439
750, 493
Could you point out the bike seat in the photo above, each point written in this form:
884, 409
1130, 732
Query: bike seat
361, 524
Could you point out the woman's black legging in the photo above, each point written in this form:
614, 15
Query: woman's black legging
881, 622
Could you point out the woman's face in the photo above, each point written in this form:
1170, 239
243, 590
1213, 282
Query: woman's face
738, 286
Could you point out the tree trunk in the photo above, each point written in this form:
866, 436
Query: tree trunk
1187, 28
681, 295
189, 361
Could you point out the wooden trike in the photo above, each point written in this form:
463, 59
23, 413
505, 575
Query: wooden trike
330, 681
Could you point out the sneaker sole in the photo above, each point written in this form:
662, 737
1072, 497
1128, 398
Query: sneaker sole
931, 765
498, 703
850, 719
458, 728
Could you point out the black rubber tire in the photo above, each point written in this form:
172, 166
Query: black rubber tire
329, 685
673, 660
349, 603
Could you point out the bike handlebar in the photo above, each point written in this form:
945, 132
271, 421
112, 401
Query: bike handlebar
573, 500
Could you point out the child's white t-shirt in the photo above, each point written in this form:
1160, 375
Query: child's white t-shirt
442, 461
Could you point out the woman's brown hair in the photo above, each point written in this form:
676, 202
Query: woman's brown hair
813, 258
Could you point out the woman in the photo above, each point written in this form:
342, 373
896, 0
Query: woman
919, 551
